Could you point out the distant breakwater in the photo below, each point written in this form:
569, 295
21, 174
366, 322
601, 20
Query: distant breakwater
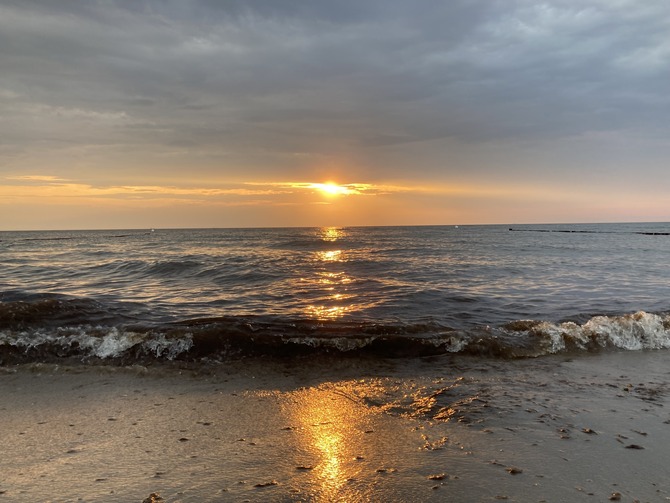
568, 231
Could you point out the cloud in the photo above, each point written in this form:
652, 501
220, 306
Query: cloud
27, 186
56, 189
36, 178
347, 189
262, 70
281, 89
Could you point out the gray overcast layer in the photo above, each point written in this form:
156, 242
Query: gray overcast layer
236, 79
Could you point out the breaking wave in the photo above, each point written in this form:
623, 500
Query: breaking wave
49, 330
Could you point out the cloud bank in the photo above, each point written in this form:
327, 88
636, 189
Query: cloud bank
141, 92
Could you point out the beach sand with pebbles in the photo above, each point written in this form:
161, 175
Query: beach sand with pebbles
593, 428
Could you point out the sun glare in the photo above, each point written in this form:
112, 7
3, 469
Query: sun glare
332, 189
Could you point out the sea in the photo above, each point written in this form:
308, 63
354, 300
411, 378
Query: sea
120, 297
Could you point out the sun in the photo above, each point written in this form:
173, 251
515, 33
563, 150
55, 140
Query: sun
331, 188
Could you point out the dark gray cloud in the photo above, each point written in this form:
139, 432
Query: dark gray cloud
262, 80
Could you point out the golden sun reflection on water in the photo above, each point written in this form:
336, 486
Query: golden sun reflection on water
329, 256
327, 313
330, 283
337, 302
331, 234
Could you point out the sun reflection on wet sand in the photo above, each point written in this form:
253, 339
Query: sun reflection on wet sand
330, 471
331, 430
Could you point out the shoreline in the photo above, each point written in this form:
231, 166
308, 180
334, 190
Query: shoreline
550, 429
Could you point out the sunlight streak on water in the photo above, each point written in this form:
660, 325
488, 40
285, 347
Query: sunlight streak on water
460, 278
334, 300
331, 234
330, 256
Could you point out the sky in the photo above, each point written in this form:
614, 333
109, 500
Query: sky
255, 113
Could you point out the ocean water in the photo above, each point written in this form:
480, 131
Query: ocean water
215, 294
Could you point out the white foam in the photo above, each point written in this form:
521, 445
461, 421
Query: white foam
113, 344
633, 332
452, 344
98, 341
160, 346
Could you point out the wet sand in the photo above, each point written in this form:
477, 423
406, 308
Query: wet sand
593, 428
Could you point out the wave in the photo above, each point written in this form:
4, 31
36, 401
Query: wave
140, 268
55, 329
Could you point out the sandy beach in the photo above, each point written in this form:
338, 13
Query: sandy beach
439, 429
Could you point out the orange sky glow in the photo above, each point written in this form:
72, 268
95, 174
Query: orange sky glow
51, 202
272, 114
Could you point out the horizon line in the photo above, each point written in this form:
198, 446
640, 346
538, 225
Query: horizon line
261, 227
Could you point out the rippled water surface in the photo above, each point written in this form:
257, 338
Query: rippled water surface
457, 276
452, 278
